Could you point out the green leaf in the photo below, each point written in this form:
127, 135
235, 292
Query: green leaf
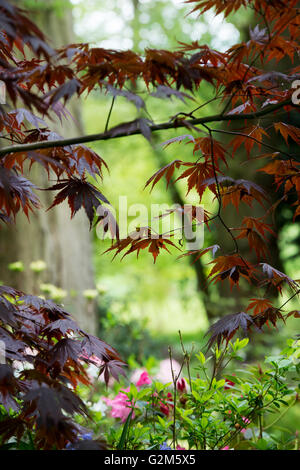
201, 358
133, 391
196, 395
204, 422
243, 343
220, 383
122, 441
262, 444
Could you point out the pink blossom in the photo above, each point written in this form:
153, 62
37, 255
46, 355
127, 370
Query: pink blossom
182, 385
246, 421
120, 405
164, 408
225, 448
228, 384
180, 448
144, 379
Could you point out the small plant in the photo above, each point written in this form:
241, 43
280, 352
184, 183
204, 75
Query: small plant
214, 409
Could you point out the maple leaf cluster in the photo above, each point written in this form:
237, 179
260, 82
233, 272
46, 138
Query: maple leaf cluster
46, 352
71, 164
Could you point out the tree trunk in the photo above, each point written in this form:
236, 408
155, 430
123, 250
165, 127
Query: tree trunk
64, 244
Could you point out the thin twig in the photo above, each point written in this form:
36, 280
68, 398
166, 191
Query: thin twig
219, 197
109, 113
187, 360
174, 398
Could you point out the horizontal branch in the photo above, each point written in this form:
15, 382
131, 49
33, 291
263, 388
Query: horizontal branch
134, 129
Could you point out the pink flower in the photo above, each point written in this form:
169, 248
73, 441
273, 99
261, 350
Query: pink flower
180, 448
120, 405
228, 384
182, 385
144, 379
164, 408
225, 448
246, 421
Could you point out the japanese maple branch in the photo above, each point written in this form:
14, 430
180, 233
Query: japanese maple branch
260, 53
219, 197
119, 131
259, 142
288, 300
